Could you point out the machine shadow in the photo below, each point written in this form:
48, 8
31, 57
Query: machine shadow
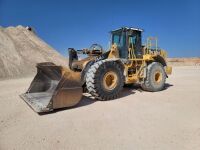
137, 87
167, 85
88, 100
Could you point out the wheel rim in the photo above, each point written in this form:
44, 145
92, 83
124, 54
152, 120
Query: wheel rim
158, 77
110, 80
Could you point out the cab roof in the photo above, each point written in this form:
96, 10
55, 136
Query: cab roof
128, 29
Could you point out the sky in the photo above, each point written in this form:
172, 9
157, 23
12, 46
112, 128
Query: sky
80, 23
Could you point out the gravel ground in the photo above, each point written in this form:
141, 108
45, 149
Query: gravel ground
139, 120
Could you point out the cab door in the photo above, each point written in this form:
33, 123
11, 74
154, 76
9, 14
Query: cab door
134, 45
120, 40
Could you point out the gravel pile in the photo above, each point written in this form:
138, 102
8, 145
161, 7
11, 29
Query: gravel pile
21, 49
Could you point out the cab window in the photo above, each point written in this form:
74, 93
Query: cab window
116, 39
132, 40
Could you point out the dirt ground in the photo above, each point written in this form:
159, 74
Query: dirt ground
139, 120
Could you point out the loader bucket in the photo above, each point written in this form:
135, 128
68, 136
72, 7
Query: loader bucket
53, 87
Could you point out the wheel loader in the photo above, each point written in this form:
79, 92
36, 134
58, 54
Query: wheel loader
101, 74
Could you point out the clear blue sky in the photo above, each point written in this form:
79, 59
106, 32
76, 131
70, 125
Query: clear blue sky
79, 23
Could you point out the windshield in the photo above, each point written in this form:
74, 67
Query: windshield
119, 40
116, 39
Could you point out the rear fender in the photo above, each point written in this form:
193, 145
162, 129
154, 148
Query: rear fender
161, 60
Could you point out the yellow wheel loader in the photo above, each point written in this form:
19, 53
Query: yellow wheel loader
102, 74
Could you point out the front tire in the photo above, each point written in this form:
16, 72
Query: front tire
155, 79
105, 80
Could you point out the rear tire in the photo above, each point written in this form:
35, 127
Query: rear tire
105, 80
155, 79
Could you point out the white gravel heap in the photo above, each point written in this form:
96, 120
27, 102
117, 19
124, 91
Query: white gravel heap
21, 49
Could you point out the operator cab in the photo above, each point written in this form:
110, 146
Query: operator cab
128, 39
